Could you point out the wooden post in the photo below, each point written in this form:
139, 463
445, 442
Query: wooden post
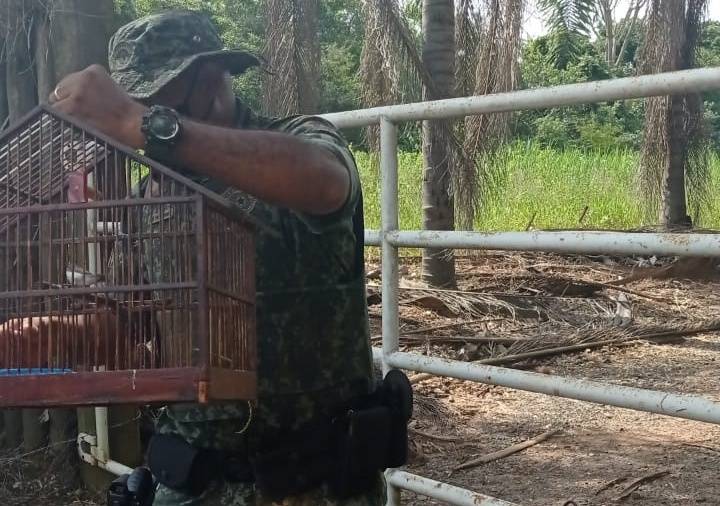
13, 427
124, 443
63, 437
33, 430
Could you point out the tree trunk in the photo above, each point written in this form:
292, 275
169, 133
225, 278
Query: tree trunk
44, 67
293, 51
438, 54
12, 420
21, 98
3, 92
630, 22
674, 202
20, 78
606, 12
672, 124
674, 198
79, 34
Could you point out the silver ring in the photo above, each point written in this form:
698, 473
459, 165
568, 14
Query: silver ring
57, 97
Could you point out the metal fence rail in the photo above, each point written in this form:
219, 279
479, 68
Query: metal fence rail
390, 238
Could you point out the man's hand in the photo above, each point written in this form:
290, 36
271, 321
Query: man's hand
94, 98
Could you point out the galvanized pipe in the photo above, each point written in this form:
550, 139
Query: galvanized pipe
390, 276
441, 491
689, 407
669, 83
607, 243
389, 218
372, 238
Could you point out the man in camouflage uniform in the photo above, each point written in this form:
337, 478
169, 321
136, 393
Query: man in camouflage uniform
312, 325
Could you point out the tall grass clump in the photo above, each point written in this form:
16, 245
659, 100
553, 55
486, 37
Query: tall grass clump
541, 188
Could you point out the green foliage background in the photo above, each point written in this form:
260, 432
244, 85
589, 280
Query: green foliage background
558, 161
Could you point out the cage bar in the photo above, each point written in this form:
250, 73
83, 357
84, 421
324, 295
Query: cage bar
116, 285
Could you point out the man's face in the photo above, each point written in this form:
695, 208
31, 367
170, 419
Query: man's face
203, 92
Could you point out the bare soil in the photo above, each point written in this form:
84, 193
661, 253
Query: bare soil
600, 450
543, 301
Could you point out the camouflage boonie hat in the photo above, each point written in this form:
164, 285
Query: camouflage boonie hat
147, 54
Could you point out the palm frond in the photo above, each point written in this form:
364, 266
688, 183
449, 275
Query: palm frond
499, 49
569, 20
392, 71
468, 35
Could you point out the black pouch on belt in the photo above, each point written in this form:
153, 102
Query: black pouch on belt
372, 437
180, 466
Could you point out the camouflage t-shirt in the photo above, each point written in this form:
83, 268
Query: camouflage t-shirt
312, 324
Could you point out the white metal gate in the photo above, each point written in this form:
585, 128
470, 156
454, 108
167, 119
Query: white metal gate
390, 238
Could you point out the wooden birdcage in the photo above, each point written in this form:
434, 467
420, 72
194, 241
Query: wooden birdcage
121, 282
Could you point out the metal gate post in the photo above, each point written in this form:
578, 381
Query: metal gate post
390, 279
389, 219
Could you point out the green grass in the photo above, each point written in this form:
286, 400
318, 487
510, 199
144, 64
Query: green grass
554, 186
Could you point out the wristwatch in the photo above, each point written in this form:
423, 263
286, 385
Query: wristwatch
162, 129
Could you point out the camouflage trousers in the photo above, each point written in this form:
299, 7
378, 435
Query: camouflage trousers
238, 494
218, 428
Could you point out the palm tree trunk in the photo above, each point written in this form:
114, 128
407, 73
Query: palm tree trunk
672, 124
438, 54
20, 77
79, 34
77, 37
293, 52
21, 98
3, 93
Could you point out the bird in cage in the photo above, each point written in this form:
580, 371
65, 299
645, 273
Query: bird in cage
77, 276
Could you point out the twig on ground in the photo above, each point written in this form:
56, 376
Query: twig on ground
640, 481
694, 445
437, 437
490, 457
531, 222
611, 484
609, 286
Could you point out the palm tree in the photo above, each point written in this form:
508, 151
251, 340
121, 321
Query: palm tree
400, 64
40, 43
438, 56
292, 50
499, 44
570, 20
675, 146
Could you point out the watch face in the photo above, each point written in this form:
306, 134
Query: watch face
163, 125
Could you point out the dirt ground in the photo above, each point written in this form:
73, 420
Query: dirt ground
600, 451
509, 304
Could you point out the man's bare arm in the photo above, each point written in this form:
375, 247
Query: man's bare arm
278, 168
275, 167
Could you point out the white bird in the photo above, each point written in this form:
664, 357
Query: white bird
77, 276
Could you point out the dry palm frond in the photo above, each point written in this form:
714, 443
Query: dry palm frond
392, 71
293, 53
499, 48
432, 411
15, 25
391, 68
468, 35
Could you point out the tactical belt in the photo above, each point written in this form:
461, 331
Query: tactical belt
345, 452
